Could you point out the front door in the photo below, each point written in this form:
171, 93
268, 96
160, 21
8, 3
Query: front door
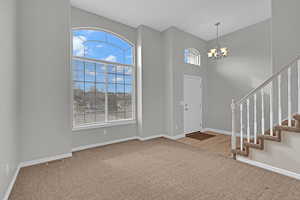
192, 104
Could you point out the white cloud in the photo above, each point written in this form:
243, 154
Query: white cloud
99, 46
111, 58
78, 45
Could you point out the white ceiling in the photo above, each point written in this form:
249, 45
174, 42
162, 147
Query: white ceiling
194, 16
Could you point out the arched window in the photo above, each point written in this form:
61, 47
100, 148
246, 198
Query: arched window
103, 78
192, 56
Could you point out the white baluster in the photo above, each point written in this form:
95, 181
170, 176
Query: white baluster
298, 86
233, 136
255, 120
279, 101
289, 98
248, 120
271, 109
262, 112
241, 122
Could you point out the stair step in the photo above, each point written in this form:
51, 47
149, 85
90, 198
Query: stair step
272, 138
245, 152
259, 146
288, 128
267, 136
286, 122
297, 117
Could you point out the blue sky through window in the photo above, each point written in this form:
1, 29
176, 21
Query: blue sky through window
97, 83
102, 45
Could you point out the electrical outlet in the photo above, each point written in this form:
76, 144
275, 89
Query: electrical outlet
104, 132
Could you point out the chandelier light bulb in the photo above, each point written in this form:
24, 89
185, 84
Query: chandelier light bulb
218, 52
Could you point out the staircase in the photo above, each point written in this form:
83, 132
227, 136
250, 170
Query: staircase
267, 103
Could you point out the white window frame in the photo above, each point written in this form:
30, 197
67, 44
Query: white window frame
192, 56
133, 95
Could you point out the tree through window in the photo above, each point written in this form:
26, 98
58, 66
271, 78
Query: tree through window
103, 78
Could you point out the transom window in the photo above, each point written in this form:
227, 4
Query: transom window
192, 56
103, 78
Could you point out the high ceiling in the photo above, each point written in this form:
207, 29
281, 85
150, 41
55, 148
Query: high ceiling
194, 16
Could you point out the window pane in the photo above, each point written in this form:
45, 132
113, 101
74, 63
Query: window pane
79, 103
127, 103
192, 56
100, 68
128, 89
78, 119
128, 70
102, 45
78, 70
128, 57
116, 41
120, 70
112, 102
95, 83
90, 116
100, 103
119, 79
100, 78
100, 116
90, 90
112, 78
111, 88
90, 71
120, 115
100, 97
128, 79
121, 105
120, 90
128, 115
111, 69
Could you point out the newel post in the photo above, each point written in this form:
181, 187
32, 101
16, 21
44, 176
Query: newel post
233, 127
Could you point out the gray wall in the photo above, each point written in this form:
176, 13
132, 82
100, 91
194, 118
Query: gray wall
285, 32
45, 78
176, 41
9, 141
81, 18
248, 65
285, 47
151, 75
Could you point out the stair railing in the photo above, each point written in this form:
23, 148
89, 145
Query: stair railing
250, 132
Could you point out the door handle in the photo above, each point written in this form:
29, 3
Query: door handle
186, 107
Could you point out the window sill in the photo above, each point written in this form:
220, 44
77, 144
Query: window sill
109, 124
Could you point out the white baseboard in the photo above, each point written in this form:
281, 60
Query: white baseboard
176, 137
12, 183
90, 146
149, 138
45, 160
218, 131
269, 167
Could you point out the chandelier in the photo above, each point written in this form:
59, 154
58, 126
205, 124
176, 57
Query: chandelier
218, 52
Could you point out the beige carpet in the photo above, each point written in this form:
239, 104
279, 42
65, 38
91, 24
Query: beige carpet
219, 144
159, 169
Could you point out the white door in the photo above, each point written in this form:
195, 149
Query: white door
192, 104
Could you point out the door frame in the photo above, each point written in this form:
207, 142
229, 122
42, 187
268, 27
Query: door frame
197, 77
